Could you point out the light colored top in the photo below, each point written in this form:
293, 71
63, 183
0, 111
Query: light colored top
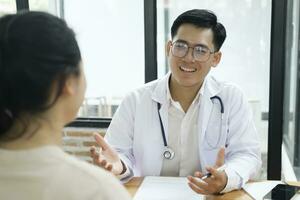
182, 139
48, 173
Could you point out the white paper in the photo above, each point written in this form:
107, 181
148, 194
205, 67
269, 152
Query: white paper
257, 190
166, 188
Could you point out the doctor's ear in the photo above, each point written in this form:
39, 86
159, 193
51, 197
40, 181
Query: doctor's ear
216, 58
168, 47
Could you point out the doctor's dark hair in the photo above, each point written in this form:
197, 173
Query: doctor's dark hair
203, 19
37, 52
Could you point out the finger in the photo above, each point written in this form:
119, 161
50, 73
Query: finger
96, 159
199, 183
214, 172
94, 155
109, 167
103, 163
220, 158
217, 181
198, 174
100, 141
93, 151
196, 189
208, 180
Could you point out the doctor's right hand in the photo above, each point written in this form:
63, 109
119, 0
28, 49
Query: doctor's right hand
107, 157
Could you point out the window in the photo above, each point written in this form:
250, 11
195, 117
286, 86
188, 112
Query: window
246, 50
291, 135
41, 5
111, 38
7, 7
52, 6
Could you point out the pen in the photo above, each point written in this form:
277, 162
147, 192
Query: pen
222, 168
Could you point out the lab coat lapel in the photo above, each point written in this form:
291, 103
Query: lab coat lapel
206, 106
211, 88
159, 95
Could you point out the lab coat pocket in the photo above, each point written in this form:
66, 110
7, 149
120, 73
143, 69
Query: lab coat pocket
210, 157
214, 137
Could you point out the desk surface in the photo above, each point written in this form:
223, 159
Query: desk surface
134, 184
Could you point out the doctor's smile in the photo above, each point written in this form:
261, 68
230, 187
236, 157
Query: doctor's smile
187, 69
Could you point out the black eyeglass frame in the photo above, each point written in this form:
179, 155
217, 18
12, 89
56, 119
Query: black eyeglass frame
191, 47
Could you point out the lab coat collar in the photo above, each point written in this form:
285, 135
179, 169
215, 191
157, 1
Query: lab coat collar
160, 91
211, 87
172, 101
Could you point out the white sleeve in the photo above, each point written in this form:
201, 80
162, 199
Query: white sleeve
233, 181
242, 152
120, 133
127, 175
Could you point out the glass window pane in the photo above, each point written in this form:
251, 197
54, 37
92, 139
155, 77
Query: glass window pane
245, 53
51, 6
111, 38
7, 7
41, 5
291, 124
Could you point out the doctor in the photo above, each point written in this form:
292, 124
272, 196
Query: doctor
186, 123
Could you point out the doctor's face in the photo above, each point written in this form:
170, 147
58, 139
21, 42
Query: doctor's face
191, 55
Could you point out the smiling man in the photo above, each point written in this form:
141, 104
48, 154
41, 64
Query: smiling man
187, 123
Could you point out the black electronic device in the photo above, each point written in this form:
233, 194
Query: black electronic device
282, 192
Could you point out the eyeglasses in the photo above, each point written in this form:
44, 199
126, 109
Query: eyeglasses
200, 53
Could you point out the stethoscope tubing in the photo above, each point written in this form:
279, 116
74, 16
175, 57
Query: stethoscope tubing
162, 126
163, 130
221, 102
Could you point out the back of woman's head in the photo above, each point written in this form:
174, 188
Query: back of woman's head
36, 50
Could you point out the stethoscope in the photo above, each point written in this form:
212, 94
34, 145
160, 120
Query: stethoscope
221, 124
168, 153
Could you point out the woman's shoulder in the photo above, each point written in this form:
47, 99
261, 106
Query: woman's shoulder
82, 169
85, 179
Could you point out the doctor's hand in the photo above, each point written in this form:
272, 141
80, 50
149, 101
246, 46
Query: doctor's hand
107, 158
213, 184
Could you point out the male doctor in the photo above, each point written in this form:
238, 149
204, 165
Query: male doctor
187, 123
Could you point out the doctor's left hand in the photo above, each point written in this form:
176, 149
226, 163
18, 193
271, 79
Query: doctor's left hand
215, 183
107, 158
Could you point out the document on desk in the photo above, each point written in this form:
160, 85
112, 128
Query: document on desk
257, 190
166, 188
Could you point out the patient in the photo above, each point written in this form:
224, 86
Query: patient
42, 86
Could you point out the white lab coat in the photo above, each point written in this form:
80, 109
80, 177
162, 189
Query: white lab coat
135, 130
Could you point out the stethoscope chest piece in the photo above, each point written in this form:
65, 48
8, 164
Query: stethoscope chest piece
168, 153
